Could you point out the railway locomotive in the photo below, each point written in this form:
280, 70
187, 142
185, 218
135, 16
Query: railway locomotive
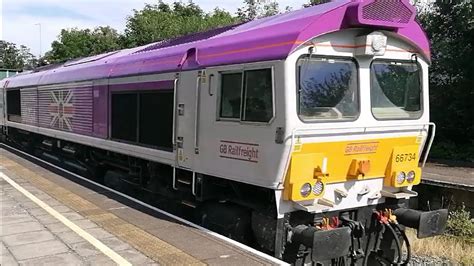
302, 134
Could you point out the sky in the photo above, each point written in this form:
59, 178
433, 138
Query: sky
21, 20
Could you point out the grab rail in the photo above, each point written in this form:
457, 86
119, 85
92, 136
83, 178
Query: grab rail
175, 99
196, 114
428, 148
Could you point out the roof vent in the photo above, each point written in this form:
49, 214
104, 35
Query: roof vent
188, 38
88, 59
388, 13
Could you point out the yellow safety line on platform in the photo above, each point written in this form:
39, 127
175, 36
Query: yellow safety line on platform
95, 242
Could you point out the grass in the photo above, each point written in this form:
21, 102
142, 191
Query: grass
457, 249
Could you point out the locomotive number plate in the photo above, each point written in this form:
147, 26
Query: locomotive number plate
405, 157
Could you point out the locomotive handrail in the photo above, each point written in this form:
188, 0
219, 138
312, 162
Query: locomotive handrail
428, 148
175, 99
357, 127
174, 179
193, 184
196, 114
211, 76
175, 149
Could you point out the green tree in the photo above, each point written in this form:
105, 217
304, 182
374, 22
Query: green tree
316, 2
161, 21
450, 27
254, 9
75, 43
13, 56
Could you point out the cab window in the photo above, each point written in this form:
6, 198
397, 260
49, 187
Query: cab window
396, 90
327, 89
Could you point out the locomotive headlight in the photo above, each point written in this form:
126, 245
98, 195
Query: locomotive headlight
379, 41
318, 188
401, 177
411, 176
305, 189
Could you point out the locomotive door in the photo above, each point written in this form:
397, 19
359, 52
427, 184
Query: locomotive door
187, 110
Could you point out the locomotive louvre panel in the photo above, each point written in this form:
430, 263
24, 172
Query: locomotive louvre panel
29, 106
66, 109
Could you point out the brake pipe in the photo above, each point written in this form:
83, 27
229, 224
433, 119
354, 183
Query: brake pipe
405, 238
397, 242
378, 232
387, 218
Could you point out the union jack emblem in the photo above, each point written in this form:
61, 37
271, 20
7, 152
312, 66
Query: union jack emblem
61, 109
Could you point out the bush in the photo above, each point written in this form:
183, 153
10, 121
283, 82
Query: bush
448, 150
460, 224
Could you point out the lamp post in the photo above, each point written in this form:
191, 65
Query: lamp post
40, 51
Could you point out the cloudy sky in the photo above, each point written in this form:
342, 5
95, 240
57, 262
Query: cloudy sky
19, 19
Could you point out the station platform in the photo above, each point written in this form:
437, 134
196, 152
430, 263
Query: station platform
449, 175
47, 219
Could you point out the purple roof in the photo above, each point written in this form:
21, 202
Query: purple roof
271, 38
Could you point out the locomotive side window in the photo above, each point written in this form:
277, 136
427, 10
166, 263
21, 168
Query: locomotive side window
124, 116
327, 89
247, 96
14, 105
143, 118
258, 104
156, 119
396, 90
231, 95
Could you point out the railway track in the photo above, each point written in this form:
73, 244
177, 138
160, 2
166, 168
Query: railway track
129, 199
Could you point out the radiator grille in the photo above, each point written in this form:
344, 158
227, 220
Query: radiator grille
29, 106
391, 11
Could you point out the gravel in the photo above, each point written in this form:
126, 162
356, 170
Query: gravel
422, 260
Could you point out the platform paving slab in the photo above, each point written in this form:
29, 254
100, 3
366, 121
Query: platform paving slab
70, 237
86, 224
57, 259
116, 244
135, 257
58, 228
7, 259
36, 250
38, 211
84, 249
99, 260
28, 238
17, 228
19, 218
